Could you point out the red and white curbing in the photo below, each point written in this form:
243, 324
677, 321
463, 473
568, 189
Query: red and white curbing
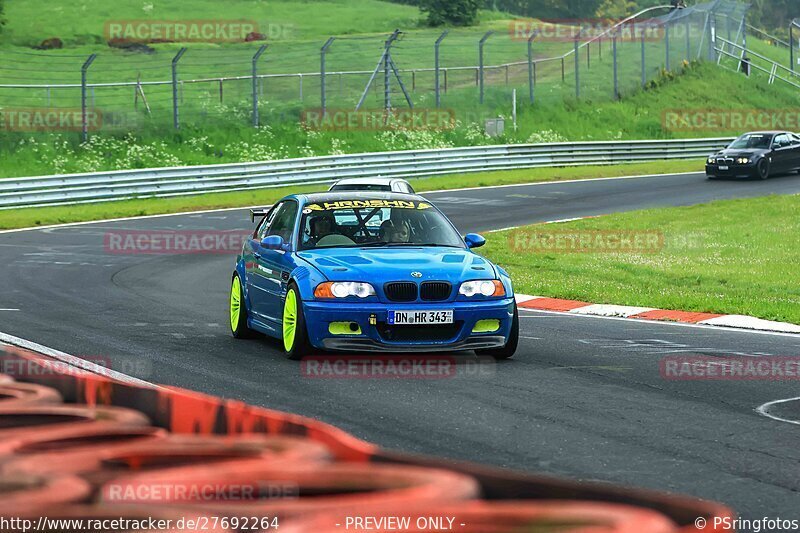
542, 303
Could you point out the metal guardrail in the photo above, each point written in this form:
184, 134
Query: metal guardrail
162, 182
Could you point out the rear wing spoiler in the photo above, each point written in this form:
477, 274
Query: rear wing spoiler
257, 213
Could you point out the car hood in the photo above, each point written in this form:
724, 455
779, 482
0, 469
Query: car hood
740, 153
382, 265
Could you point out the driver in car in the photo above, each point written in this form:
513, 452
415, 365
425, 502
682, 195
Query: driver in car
395, 231
321, 226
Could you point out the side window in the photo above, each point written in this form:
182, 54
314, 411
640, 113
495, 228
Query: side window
795, 140
262, 229
781, 141
283, 223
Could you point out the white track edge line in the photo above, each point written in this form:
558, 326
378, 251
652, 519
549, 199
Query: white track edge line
76, 362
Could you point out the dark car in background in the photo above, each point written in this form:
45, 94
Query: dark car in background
757, 155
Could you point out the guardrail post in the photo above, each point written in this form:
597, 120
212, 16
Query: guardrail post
481, 44
257, 55
323, 52
531, 66
577, 66
84, 117
175, 118
437, 86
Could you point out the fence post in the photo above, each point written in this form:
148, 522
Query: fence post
563, 70
712, 38
644, 60
616, 71
577, 67
84, 117
792, 27
387, 80
688, 40
175, 118
531, 66
261, 49
666, 45
437, 87
481, 44
323, 52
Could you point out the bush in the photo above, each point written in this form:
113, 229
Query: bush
456, 12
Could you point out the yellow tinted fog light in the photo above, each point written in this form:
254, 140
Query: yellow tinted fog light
344, 328
486, 326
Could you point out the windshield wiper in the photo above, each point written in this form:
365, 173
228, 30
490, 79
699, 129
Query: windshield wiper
375, 244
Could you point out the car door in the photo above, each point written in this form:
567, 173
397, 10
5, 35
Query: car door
795, 157
781, 153
275, 266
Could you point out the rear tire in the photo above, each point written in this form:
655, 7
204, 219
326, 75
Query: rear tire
238, 310
507, 351
295, 335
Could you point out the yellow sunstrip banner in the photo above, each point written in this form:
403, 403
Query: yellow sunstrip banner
367, 204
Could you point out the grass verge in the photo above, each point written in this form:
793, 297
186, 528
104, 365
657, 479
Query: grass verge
27, 217
729, 256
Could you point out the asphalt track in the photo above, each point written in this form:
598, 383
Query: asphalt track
582, 398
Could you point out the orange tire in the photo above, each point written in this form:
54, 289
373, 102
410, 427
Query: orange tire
561, 516
255, 487
17, 422
178, 519
20, 492
26, 394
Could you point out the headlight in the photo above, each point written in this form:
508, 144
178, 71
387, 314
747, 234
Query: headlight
711, 161
343, 289
483, 287
743, 160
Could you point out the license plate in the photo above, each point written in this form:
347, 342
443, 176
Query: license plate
420, 317
723, 167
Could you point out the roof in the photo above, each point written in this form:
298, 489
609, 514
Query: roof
357, 195
368, 181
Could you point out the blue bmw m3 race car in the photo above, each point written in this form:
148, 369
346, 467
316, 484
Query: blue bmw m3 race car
370, 272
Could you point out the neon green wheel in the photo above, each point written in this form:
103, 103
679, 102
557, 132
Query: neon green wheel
236, 302
295, 336
289, 320
238, 311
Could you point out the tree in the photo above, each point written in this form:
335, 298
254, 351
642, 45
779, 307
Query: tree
616, 9
456, 12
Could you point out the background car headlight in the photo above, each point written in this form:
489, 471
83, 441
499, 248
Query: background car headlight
743, 160
343, 289
711, 161
488, 287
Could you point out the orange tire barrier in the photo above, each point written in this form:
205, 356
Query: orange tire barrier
19, 394
181, 450
106, 453
16, 422
75, 452
557, 516
19, 492
257, 488
215, 461
70, 518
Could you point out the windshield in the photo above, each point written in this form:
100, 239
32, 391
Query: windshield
375, 223
752, 140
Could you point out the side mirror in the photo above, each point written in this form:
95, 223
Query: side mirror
273, 242
474, 240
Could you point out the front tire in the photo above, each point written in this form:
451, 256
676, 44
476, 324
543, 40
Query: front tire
295, 335
763, 169
507, 351
238, 310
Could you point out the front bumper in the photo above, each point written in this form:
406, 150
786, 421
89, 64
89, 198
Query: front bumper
377, 336
735, 170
